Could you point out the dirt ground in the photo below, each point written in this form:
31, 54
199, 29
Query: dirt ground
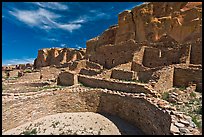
80, 123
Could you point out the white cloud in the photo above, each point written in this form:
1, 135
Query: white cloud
62, 45
49, 39
92, 11
69, 27
34, 18
77, 46
47, 20
43, 19
79, 20
52, 5
52, 39
85, 18
18, 61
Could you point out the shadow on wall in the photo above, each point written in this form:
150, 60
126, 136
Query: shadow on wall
124, 127
136, 111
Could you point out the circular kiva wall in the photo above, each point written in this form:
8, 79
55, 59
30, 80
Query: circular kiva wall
137, 111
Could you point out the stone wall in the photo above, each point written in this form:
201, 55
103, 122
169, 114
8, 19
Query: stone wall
109, 56
105, 74
152, 57
123, 75
138, 67
155, 57
93, 65
196, 53
183, 76
184, 57
165, 81
113, 85
125, 66
89, 72
16, 113
146, 75
138, 111
67, 78
137, 61
77, 65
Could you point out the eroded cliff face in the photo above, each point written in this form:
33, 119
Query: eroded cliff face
180, 21
57, 56
170, 23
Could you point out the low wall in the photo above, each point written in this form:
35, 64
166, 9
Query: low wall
145, 75
182, 77
137, 67
93, 65
113, 85
89, 72
137, 111
67, 79
165, 80
196, 53
77, 65
15, 113
123, 74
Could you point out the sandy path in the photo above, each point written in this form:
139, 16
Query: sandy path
81, 123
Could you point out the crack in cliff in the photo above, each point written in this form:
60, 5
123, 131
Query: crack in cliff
133, 23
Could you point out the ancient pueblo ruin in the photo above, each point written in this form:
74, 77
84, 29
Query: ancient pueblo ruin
140, 76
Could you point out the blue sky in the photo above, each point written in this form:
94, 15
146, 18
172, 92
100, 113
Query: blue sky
29, 26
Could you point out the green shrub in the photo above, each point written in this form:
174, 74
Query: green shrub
51, 87
12, 78
182, 88
199, 110
3, 87
198, 124
28, 132
193, 94
139, 81
27, 71
165, 96
81, 84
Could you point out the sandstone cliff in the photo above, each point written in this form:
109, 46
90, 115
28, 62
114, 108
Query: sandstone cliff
166, 24
180, 21
57, 56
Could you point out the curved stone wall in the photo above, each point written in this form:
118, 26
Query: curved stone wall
112, 84
138, 111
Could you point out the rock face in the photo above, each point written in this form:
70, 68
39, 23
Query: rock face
168, 24
179, 20
57, 56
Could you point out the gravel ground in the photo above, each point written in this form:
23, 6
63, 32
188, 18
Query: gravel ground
80, 123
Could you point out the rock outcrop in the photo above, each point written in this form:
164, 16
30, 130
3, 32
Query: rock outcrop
57, 56
166, 24
180, 21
